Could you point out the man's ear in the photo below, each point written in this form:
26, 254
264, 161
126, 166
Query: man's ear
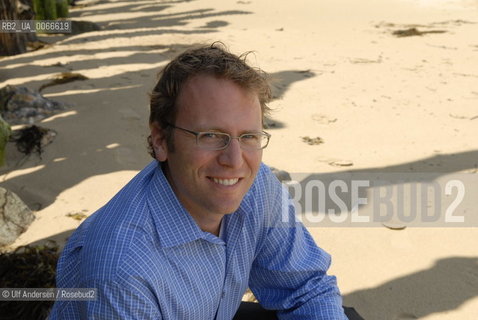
159, 142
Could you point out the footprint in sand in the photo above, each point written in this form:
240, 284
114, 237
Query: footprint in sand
312, 141
323, 119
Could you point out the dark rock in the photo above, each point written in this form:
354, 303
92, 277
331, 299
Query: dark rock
78, 27
19, 105
5, 94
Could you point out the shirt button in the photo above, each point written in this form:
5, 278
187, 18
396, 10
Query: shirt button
223, 294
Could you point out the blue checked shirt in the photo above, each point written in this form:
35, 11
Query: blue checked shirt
148, 258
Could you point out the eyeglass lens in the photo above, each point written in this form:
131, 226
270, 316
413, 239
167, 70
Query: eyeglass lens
219, 140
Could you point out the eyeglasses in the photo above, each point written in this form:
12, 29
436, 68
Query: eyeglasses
212, 140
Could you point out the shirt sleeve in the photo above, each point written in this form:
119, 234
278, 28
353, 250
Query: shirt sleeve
113, 301
122, 301
289, 273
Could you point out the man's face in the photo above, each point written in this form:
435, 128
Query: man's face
206, 182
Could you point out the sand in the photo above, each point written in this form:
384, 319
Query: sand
378, 102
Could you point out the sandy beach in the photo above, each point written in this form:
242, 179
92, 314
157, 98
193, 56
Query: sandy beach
379, 102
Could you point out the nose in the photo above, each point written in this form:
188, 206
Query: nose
232, 156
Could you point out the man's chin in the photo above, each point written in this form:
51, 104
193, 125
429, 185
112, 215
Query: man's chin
226, 203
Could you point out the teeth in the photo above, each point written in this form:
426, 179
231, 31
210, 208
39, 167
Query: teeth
226, 182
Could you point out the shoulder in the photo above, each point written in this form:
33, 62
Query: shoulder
265, 182
266, 186
109, 244
109, 238
265, 196
270, 200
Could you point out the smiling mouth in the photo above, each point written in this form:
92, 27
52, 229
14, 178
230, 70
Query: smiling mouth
225, 182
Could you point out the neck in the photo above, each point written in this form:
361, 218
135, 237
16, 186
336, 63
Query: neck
211, 227
206, 221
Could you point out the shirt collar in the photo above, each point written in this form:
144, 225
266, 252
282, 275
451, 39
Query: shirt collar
174, 224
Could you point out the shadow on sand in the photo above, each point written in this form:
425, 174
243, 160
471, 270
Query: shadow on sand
447, 285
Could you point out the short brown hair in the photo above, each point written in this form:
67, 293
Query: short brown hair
214, 60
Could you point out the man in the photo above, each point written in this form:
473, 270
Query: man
205, 220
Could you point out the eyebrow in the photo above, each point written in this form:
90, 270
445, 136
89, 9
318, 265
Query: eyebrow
223, 131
